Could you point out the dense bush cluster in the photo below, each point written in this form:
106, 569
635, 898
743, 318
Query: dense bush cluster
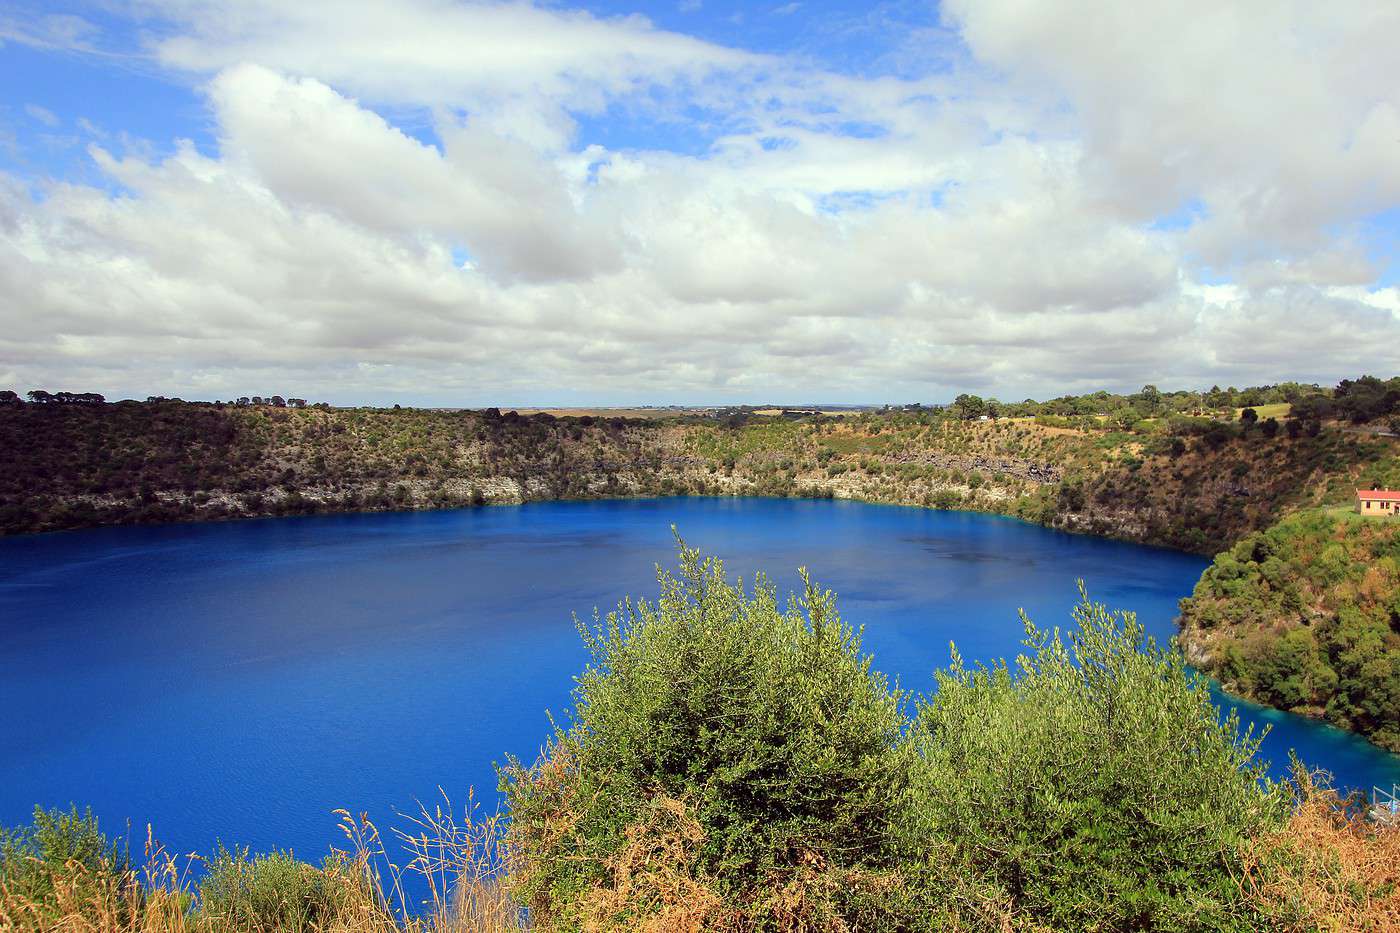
764, 724
1305, 616
1090, 785
1093, 785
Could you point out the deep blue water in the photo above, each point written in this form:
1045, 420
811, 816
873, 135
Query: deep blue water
238, 681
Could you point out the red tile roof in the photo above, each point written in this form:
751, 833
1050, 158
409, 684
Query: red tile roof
1379, 495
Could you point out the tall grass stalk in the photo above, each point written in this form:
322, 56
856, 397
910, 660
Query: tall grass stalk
458, 857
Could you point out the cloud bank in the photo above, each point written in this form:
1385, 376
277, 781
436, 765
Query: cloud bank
411, 202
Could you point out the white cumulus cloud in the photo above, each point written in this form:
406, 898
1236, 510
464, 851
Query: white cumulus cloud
410, 202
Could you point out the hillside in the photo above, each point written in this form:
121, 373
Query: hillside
79, 465
1193, 484
1215, 491
1305, 616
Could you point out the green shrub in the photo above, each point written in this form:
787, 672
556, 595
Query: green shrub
766, 723
731, 752
268, 892
1093, 786
61, 849
1301, 617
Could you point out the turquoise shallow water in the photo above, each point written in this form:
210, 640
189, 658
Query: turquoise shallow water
239, 681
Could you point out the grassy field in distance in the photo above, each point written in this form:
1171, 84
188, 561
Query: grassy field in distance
833, 412
610, 412
1279, 410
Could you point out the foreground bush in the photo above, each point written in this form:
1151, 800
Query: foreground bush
747, 746
275, 891
1092, 785
63, 874
733, 764
61, 864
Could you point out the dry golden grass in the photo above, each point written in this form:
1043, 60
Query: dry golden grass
1326, 870
653, 886
1272, 410
460, 859
1329, 868
655, 883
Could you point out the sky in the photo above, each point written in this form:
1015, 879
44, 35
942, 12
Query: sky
441, 202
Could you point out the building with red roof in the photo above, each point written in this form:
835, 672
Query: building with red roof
1378, 501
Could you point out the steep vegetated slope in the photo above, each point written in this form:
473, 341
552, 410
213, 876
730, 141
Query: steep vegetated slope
1207, 493
1305, 616
1189, 483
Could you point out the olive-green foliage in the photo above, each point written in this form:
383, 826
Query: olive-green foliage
767, 721
1093, 785
1303, 615
269, 892
60, 847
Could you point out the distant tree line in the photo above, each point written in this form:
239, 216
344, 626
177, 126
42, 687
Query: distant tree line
1149, 402
1361, 400
1356, 400
276, 401
43, 397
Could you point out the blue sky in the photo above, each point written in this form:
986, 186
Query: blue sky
455, 202
120, 92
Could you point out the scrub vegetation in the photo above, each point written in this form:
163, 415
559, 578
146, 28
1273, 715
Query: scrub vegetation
1305, 616
1174, 468
734, 763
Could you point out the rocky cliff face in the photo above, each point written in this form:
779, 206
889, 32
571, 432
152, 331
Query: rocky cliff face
71, 467
65, 467
1207, 497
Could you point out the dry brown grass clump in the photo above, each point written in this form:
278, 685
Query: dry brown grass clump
460, 859
1328, 868
652, 884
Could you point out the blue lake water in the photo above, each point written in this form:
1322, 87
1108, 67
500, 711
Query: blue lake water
239, 681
